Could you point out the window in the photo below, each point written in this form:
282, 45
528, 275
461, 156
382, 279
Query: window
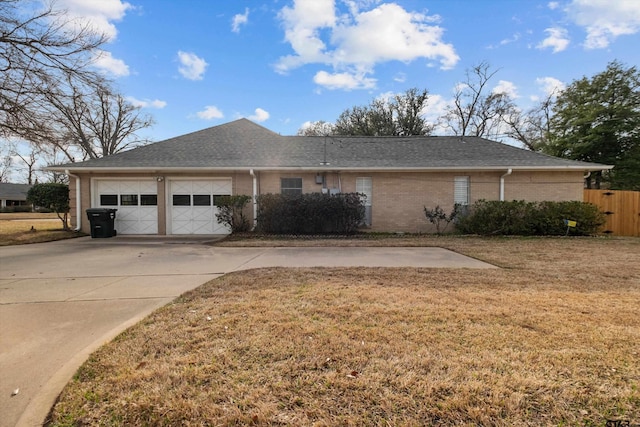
291, 186
461, 190
201, 200
364, 185
216, 199
108, 200
181, 200
148, 200
128, 200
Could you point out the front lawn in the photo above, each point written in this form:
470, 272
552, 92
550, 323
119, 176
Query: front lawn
23, 228
551, 338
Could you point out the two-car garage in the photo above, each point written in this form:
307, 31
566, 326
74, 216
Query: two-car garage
190, 204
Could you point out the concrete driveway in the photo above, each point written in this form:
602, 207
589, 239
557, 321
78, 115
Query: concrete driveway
60, 301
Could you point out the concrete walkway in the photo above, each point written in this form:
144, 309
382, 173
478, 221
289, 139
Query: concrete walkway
60, 301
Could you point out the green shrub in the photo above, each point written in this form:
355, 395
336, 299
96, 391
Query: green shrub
231, 212
437, 217
552, 215
13, 209
529, 218
313, 213
52, 196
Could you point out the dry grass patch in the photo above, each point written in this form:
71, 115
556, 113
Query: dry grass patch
554, 339
22, 228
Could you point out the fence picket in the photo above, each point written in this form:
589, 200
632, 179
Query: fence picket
622, 209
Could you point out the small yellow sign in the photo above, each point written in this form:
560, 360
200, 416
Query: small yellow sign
570, 223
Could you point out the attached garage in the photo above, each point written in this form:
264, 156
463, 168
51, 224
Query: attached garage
136, 202
192, 205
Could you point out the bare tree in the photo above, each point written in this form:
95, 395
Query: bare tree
319, 128
5, 168
30, 161
94, 121
531, 128
477, 111
38, 51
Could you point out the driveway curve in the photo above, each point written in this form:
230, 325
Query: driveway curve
60, 301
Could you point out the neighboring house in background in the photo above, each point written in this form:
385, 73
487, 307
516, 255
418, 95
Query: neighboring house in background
13, 194
170, 187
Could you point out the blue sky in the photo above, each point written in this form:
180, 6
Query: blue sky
193, 64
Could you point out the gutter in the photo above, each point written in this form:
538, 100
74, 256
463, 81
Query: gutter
509, 171
255, 199
78, 201
321, 168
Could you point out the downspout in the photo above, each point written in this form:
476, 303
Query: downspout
255, 198
78, 201
509, 171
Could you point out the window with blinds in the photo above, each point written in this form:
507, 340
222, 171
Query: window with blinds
291, 186
461, 190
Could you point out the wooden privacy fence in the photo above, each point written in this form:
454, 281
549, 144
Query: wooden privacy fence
622, 209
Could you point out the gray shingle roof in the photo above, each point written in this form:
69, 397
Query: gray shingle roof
242, 144
10, 191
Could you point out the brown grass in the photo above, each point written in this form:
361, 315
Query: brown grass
23, 228
553, 338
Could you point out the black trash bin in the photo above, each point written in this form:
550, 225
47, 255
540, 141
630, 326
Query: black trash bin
102, 222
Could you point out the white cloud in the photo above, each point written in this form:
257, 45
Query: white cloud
105, 62
355, 42
192, 67
553, 5
550, 85
239, 19
98, 14
557, 39
346, 81
146, 103
259, 116
210, 112
436, 107
400, 78
508, 88
605, 20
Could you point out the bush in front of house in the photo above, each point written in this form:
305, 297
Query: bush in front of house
51, 196
552, 215
520, 218
438, 217
313, 213
16, 209
231, 212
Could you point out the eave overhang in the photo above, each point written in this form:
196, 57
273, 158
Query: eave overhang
327, 168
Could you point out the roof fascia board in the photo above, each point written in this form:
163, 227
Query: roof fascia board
327, 169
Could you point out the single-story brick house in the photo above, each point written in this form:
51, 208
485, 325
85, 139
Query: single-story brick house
170, 187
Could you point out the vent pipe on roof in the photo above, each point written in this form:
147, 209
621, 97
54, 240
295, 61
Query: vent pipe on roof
78, 201
502, 184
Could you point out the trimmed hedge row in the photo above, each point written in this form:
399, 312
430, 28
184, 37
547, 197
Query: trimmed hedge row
530, 218
312, 213
13, 209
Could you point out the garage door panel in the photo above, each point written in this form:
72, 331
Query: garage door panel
148, 187
222, 187
199, 216
135, 216
201, 187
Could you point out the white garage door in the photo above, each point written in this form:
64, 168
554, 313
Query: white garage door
136, 201
193, 206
